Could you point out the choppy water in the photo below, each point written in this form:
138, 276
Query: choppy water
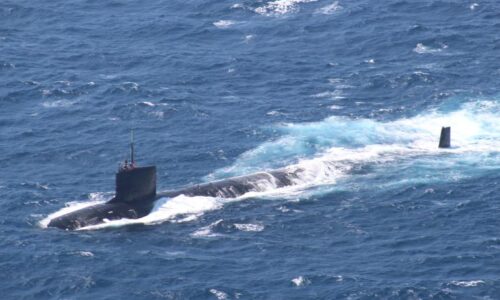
352, 92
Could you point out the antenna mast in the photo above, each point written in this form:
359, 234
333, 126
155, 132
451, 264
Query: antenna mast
132, 147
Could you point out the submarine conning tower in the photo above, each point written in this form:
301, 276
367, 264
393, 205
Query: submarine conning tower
135, 183
445, 137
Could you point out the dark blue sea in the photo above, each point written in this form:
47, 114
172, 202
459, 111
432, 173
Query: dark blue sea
354, 93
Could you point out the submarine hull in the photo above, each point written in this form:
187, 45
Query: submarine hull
99, 214
120, 208
237, 186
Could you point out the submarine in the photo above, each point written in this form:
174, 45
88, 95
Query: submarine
135, 191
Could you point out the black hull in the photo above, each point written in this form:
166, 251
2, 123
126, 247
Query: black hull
117, 208
236, 186
100, 213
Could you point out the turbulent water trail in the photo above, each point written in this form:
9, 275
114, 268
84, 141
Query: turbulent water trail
341, 147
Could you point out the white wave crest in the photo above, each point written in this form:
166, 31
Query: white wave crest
57, 104
249, 227
219, 294
129, 86
207, 231
223, 24
422, 49
334, 95
86, 253
280, 7
330, 9
470, 283
248, 38
148, 103
300, 281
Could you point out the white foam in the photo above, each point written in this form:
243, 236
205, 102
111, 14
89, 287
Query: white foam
335, 95
473, 6
330, 9
273, 113
219, 294
64, 82
203, 232
249, 37
422, 49
384, 142
470, 283
85, 253
300, 281
188, 218
223, 24
129, 85
57, 103
207, 231
249, 227
109, 76
335, 80
280, 7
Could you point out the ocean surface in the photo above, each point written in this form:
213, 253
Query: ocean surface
354, 92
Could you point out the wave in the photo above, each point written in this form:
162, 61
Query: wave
249, 227
214, 229
319, 154
280, 7
220, 295
345, 139
330, 9
58, 104
473, 6
423, 49
471, 283
300, 281
223, 24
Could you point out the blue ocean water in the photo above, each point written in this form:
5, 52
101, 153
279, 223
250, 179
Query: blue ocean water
353, 92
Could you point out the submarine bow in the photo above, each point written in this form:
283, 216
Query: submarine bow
134, 198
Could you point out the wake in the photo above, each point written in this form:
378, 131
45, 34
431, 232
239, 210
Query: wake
317, 154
